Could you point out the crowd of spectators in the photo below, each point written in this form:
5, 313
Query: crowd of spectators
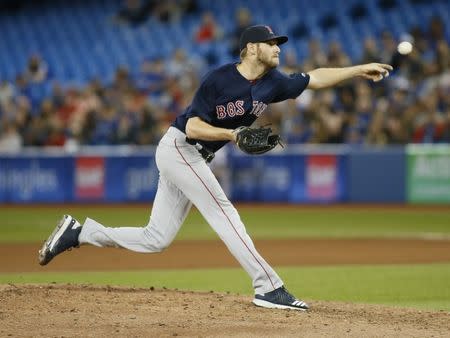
136, 12
412, 106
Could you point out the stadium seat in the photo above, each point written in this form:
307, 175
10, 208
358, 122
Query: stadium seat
79, 38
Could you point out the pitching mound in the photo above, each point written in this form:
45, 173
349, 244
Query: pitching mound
88, 311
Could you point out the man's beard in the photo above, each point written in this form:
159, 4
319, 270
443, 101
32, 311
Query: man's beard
268, 62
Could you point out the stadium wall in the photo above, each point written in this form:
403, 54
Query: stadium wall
299, 174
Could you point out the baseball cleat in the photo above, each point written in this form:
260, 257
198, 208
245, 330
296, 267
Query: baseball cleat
280, 299
64, 237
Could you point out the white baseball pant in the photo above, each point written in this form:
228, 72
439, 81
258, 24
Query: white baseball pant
185, 178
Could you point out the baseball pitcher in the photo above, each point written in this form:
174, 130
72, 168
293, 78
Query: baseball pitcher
229, 99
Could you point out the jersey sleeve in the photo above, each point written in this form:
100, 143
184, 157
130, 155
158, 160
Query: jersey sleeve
290, 86
203, 103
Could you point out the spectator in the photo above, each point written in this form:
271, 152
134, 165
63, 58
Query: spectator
388, 47
345, 101
151, 77
336, 57
375, 134
126, 130
122, 80
358, 122
243, 19
206, 34
370, 51
147, 130
37, 70
10, 138
316, 57
445, 137
7, 92
208, 30
429, 123
134, 12
168, 10
331, 123
290, 64
416, 111
105, 126
36, 132
40, 127
21, 86
298, 130
179, 65
436, 30
8, 111
22, 114
442, 61
57, 135
57, 94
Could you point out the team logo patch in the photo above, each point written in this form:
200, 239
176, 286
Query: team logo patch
269, 29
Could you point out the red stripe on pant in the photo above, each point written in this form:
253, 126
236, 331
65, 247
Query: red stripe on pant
223, 211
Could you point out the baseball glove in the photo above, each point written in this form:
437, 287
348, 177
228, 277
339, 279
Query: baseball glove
256, 140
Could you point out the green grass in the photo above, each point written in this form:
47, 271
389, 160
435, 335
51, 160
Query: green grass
422, 286
31, 224
419, 286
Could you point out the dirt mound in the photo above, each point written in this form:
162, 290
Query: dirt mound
90, 311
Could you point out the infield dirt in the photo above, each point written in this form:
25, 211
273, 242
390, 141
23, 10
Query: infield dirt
189, 254
88, 311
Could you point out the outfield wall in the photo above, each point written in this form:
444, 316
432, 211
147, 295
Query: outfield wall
298, 174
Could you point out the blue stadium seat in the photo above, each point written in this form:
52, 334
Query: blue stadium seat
79, 39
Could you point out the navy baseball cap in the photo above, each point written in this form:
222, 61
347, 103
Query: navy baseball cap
259, 33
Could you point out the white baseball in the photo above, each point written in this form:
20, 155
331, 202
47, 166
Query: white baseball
404, 47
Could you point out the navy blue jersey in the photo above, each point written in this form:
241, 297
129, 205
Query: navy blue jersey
226, 99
